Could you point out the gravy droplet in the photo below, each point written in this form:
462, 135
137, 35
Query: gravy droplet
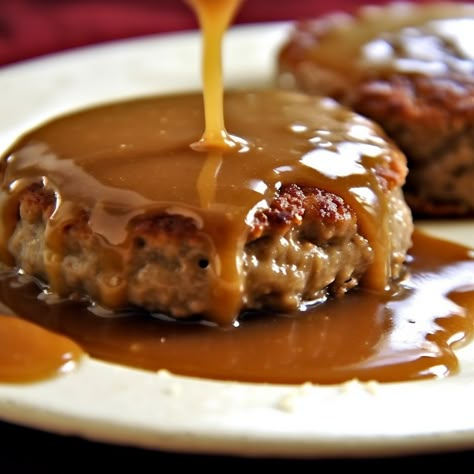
29, 352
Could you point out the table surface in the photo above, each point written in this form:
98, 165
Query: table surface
31, 28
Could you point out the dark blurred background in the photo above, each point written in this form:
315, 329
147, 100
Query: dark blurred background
30, 28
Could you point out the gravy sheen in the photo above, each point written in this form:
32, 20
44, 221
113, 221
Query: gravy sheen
430, 39
173, 155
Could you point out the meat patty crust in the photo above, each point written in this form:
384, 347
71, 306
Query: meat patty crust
411, 69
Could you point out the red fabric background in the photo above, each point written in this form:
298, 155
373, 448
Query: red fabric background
30, 28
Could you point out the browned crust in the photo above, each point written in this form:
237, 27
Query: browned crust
432, 108
428, 117
37, 203
324, 214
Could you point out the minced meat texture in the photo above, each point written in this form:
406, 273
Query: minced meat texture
304, 247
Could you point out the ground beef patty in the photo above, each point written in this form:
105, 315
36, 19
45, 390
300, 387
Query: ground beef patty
67, 225
294, 261
411, 69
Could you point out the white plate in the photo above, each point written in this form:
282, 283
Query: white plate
115, 404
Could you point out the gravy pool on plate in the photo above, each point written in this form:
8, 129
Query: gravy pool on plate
98, 163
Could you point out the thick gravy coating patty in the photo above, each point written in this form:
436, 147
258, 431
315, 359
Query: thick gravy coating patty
111, 204
409, 67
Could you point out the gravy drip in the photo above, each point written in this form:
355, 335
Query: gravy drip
29, 352
422, 39
407, 335
214, 17
113, 162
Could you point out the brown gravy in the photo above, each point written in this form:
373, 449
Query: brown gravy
407, 335
302, 139
29, 352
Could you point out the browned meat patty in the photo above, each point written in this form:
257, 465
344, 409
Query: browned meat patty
411, 69
293, 261
73, 219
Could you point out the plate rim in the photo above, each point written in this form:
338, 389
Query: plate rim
220, 424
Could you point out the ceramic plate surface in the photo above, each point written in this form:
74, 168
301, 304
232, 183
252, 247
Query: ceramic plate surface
115, 404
